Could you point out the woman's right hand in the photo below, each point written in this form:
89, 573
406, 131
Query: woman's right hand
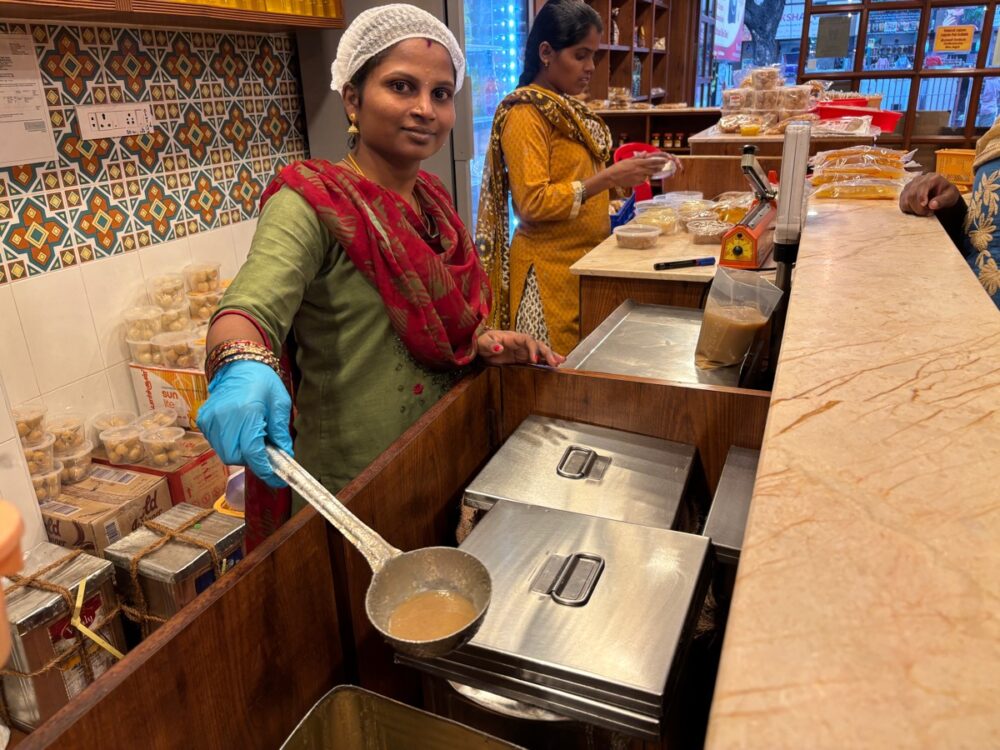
634, 171
247, 403
927, 194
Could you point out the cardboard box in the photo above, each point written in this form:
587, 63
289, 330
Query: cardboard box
200, 480
105, 507
163, 388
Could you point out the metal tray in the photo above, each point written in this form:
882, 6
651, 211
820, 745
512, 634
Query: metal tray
648, 341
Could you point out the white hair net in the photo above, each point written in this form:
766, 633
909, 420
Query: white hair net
377, 29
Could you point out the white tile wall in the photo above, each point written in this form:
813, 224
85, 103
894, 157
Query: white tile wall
16, 368
59, 328
62, 343
113, 285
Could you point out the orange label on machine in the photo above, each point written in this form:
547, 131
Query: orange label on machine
749, 243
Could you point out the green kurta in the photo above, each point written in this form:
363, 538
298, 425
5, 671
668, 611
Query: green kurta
360, 388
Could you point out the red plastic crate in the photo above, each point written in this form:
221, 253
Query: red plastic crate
881, 118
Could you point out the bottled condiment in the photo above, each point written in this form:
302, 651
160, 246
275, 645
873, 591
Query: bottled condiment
655, 140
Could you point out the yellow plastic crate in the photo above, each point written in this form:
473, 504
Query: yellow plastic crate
955, 164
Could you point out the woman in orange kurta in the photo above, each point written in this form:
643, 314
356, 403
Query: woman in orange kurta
548, 151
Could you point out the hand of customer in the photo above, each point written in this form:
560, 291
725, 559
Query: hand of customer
247, 403
509, 347
928, 194
631, 172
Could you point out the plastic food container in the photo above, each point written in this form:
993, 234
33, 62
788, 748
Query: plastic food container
153, 420
11, 528
48, 485
162, 445
106, 421
736, 100
637, 236
765, 78
881, 118
68, 432
708, 232
176, 320
769, 99
76, 465
142, 323
202, 277
40, 456
689, 209
180, 350
123, 445
679, 197
203, 304
30, 422
143, 352
795, 97
167, 291
662, 217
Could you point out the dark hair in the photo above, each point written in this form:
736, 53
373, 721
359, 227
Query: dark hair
561, 23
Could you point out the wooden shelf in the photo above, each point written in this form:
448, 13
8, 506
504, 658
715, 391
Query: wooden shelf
642, 50
163, 13
616, 47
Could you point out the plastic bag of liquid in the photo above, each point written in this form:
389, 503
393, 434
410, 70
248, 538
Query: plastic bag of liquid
739, 305
861, 189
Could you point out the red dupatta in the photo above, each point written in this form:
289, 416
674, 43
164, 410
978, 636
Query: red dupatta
437, 302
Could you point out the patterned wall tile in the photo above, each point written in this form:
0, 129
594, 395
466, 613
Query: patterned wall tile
228, 112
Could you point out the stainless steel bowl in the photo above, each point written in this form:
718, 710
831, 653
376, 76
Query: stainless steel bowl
428, 569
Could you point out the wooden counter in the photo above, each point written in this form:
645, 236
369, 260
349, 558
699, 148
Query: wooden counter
711, 142
867, 604
610, 274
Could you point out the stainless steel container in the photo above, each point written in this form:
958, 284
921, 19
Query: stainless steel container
586, 469
177, 572
648, 341
40, 629
351, 718
727, 518
590, 616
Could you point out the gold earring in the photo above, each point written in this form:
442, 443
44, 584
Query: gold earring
546, 64
353, 129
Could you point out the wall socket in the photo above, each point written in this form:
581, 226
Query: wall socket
114, 120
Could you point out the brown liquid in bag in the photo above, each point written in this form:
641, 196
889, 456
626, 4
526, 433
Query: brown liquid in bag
430, 615
726, 335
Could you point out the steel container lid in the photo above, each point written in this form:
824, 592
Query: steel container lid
588, 616
586, 469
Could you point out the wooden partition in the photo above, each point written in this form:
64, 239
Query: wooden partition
241, 665
237, 668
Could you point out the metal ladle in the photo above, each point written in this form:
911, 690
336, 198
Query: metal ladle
397, 576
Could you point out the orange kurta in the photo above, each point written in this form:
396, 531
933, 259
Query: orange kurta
554, 231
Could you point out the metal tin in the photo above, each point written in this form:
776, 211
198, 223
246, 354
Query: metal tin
177, 560
177, 572
352, 718
648, 341
586, 469
566, 588
39, 622
727, 518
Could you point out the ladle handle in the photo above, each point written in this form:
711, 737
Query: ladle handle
377, 551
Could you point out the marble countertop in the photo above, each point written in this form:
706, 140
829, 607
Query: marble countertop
867, 605
608, 259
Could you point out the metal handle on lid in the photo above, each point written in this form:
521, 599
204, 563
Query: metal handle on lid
377, 551
576, 462
579, 573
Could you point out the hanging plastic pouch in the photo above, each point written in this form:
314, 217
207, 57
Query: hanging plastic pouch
739, 304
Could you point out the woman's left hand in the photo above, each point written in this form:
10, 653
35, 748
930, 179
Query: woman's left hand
509, 347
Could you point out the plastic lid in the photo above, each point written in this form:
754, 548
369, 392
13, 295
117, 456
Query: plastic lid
637, 230
77, 453
216, 294
156, 418
105, 419
166, 278
196, 267
174, 338
65, 420
29, 412
162, 435
120, 433
46, 442
143, 313
57, 468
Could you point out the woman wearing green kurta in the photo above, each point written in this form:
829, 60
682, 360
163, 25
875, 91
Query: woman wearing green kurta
365, 265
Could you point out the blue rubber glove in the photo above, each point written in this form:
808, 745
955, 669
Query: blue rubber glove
247, 403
